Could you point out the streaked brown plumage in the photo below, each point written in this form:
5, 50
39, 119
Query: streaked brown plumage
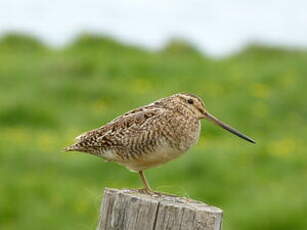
150, 135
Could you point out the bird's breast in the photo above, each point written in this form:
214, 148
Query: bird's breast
187, 133
160, 155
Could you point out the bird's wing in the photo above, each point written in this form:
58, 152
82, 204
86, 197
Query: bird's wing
116, 132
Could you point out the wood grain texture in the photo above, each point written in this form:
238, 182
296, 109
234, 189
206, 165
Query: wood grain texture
131, 210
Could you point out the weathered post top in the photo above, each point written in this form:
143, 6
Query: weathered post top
132, 210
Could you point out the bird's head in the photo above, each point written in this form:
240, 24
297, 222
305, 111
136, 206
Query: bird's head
196, 107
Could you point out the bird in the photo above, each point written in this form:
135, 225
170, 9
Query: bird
150, 135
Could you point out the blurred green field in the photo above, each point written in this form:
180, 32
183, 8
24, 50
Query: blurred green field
48, 96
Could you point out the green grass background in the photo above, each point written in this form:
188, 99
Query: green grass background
48, 96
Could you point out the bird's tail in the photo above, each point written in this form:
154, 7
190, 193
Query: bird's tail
77, 147
73, 147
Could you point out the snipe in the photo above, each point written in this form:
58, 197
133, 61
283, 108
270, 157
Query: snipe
150, 135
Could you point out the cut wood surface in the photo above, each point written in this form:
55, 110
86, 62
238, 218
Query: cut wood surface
132, 210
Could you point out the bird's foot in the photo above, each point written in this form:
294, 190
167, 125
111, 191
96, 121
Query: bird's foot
145, 191
148, 191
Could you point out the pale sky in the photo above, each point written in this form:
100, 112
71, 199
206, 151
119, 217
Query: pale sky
217, 27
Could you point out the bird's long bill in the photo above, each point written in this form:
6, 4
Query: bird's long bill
228, 128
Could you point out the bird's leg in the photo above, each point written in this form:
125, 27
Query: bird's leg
144, 180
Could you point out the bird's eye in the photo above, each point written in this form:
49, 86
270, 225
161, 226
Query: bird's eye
190, 101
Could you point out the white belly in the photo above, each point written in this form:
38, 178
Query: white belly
162, 154
152, 159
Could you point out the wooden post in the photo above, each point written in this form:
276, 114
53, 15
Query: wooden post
132, 210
